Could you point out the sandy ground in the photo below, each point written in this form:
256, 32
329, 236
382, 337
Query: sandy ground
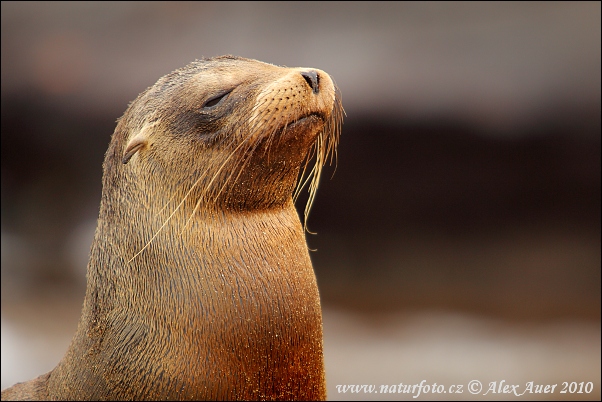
431, 347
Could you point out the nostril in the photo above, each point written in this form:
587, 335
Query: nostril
313, 80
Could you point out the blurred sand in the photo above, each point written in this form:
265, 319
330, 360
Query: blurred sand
452, 349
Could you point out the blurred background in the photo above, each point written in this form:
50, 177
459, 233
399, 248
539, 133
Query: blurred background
459, 238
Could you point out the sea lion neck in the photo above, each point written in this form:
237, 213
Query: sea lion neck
235, 277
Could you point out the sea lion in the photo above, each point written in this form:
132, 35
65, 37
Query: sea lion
199, 282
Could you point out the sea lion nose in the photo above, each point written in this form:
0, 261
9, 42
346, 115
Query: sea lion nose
313, 80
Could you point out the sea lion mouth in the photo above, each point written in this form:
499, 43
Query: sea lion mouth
310, 118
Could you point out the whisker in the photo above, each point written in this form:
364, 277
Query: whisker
167, 220
206, 189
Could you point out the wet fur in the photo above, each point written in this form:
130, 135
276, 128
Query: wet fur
200, 285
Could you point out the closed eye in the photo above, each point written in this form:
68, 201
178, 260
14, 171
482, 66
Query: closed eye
216, 99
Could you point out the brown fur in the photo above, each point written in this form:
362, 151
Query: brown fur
200, 284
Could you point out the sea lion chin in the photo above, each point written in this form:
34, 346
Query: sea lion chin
199, 281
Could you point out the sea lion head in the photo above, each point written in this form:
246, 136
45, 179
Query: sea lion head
225, 133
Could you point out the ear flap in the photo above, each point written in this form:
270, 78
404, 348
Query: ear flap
137, 142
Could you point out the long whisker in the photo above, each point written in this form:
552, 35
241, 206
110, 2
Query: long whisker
167, 220
302, 179
325, 147
202, 196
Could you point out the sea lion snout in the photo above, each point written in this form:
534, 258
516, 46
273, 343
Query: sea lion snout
297, 92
